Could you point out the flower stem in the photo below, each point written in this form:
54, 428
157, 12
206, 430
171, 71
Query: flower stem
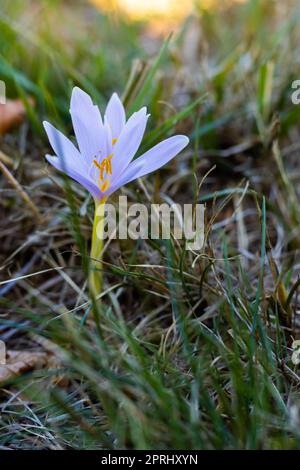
95, 276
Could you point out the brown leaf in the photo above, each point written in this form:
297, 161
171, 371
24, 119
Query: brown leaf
18, 362
12, 113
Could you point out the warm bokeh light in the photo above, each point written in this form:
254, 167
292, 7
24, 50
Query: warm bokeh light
150, 9
142, 9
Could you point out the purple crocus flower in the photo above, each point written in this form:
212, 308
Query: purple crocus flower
104, 161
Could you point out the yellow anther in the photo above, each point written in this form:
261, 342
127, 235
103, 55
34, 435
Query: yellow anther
104, 166
114, 141
105, 170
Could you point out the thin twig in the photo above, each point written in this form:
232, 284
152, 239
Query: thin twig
12, 180
6, 159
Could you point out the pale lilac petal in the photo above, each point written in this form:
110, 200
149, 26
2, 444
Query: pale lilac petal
64, 148
158, 156
88, 125
115, 115
108, 136
114, 138
128, 142
128, 175
81, 178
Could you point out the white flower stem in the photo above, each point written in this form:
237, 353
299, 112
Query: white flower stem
95, 276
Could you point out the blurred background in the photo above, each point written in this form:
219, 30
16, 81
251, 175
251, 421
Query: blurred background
47, 46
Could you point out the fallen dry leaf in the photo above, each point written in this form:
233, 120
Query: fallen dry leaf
18, 362
12, 113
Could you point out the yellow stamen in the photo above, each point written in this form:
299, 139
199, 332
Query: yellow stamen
105, 186
114, 141
105, 170
104, 166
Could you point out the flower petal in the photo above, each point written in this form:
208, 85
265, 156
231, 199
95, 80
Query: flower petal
86, 182
128, 175
158, 155
128, 143
108, 135
115, 115
64, 148
88, 125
